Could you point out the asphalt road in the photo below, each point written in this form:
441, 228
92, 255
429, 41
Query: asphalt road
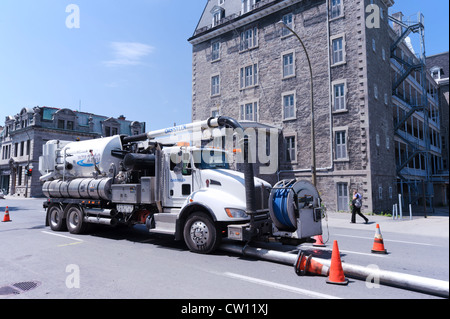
128, 263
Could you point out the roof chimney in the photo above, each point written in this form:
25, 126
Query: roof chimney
397, 27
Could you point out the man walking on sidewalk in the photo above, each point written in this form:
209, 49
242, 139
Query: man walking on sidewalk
356, 207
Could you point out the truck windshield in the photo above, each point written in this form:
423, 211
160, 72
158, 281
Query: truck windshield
210, 159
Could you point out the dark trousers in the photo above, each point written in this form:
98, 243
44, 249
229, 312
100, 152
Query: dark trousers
355, 211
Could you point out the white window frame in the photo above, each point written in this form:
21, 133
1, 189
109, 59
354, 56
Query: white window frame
342, 147
215, 86
248, 39
289, 67
336, 9
288, 19
333, 52
342, 99
248, 80
247, 116
293, 116
289, 148
215, 51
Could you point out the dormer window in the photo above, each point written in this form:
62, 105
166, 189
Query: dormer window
436, 73
218, 14
248, 5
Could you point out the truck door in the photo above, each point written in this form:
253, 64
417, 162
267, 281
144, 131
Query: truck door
179, 180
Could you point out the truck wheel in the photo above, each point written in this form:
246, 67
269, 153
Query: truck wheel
75, 222
200, 234
56, 218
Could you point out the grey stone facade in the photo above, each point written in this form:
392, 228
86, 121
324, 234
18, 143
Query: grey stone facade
354, 127
24, 134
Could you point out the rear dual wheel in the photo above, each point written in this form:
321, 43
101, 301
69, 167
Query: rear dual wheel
75, 220
56, 218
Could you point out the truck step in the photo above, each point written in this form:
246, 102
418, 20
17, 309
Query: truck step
165, 223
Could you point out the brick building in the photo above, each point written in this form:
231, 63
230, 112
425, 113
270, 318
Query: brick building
24, 134
246, 65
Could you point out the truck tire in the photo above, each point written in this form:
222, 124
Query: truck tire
75, 222
56, 220
200, 233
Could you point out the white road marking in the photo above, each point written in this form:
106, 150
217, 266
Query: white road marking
388, 240
59, 235
279, 286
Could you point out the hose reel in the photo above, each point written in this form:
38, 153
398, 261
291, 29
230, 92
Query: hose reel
287, 199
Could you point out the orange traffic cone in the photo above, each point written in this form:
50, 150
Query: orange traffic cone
307, 265
336, 276
378, 245
319, 241
6, 218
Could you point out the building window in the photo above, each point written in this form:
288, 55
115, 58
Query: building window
341, 145
336, 9
247, 5
215, 49
383, 54
342, 197
218, 14
289, 110
339, 96
436, 73
70, 125
380, 192
374, 46
248, 76
249, 39
338, 49
61, 124
215, 113
215, 85
22, 147
249, 111
375, 91
290, 149
288, 65
289, 21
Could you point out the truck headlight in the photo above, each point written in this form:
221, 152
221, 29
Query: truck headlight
236, 213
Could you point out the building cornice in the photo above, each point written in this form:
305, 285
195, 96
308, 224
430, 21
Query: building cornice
241, 20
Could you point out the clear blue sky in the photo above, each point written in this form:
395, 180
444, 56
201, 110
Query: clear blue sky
127, 57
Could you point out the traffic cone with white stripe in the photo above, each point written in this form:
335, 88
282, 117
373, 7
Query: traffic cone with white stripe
336, 276
306, 265
319, 241
6, 217
378, 244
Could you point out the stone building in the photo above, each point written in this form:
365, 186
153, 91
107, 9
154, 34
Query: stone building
24, 134
438, 66
248, 66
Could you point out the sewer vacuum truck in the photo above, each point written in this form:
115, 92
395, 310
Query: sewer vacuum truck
174, 188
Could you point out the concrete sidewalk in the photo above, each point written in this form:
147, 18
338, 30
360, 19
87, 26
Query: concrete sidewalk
436, 225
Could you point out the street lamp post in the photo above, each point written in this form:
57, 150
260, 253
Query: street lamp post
313, 141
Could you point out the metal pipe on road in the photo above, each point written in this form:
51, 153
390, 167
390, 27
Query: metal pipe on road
410, 282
